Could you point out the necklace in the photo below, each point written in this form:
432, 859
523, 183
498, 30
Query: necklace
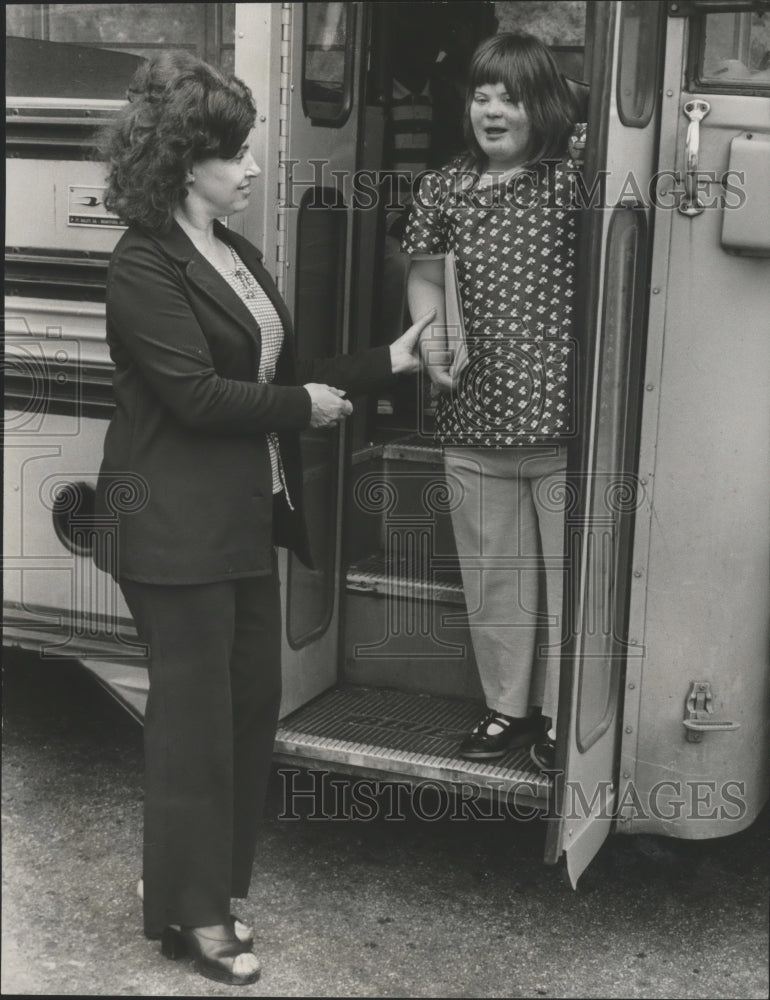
248, 287
238, 269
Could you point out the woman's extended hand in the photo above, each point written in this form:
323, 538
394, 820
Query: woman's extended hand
404, 353
329, 407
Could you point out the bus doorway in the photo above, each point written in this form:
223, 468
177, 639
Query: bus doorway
408, 688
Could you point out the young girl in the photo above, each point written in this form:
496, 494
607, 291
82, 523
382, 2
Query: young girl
506, 213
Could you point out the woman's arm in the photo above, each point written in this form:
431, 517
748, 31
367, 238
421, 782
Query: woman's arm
370, 369
363, 371
152, 321
425, 292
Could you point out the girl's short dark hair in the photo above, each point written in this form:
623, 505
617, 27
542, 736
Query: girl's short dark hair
180, 110
525, 66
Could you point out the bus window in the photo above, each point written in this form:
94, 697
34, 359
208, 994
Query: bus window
327, 62
321, 238
640, 50
559, 23
74, 52
734, 53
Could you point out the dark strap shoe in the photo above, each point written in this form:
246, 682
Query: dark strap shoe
506, 734
543, 754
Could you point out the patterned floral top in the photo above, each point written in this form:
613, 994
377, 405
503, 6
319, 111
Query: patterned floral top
515, 244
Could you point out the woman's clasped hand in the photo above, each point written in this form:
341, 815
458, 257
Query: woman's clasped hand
328, 405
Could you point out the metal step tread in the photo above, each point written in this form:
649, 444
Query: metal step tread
414, 448
405, 577
395, 732
374, 730
406, 448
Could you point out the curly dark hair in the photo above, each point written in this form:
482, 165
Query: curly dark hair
531, 77
180, 111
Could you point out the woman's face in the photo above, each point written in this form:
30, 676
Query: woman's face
222, 187
502, 128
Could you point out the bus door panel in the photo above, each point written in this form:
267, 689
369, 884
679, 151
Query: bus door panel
320, 67
694, 740
602, 490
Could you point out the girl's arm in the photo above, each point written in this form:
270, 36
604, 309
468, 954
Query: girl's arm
425, 292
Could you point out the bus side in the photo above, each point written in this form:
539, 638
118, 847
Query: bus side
665, 711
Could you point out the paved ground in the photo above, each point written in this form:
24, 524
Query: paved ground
377, 909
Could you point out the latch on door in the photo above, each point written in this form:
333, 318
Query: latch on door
696, 110
697, 712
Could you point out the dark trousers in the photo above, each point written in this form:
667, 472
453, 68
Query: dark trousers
212, 713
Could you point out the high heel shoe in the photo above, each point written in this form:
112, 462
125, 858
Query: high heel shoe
214, 950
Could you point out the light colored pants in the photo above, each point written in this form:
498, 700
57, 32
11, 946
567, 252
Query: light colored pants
509, 531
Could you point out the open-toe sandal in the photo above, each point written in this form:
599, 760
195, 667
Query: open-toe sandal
213, 949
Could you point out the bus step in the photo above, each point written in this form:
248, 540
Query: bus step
401, 448
414, 448
392, 734
408, 631
404, 576
398, 488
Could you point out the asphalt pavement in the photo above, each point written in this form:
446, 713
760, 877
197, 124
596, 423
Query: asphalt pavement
403, 907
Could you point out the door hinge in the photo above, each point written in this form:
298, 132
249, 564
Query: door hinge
284, 113
697, 713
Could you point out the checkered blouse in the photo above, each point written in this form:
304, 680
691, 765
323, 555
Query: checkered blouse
249, 290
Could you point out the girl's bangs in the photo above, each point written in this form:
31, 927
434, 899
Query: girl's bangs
493, 68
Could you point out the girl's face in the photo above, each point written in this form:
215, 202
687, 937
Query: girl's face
222, 187
502, 128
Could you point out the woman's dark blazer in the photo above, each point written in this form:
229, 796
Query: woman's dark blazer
185, 487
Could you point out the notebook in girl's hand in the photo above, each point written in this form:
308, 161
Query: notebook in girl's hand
454, 317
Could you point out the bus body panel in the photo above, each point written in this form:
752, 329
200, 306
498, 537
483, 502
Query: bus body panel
51, 590
699, 608
53, 192
55, 422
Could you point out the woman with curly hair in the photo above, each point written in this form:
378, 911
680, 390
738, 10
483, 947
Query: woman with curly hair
209, 404
506, 213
